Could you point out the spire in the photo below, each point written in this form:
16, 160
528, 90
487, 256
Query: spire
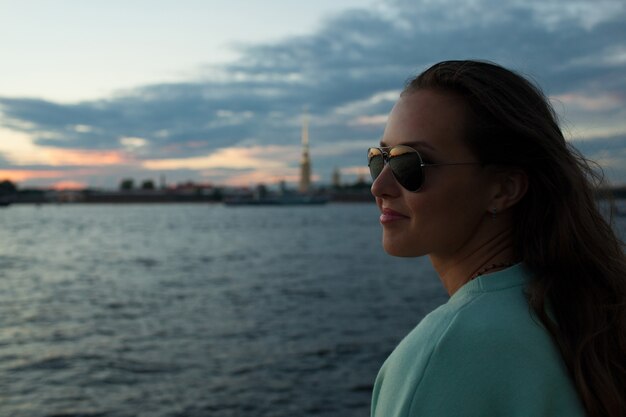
305, 132
305, 163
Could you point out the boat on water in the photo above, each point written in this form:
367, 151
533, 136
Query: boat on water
281, 200
6, 201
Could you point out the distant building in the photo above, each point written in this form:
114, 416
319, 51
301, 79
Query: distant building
305, 163
336, 180
361, 178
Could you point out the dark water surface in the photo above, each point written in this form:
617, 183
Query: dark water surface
199, 310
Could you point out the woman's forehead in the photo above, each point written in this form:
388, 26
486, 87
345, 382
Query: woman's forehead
427, 119
412, 144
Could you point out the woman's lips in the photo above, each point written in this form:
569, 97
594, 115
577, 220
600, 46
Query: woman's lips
389, 216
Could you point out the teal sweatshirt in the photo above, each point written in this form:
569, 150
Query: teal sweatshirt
482, 354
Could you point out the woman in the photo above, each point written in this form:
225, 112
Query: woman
474, 172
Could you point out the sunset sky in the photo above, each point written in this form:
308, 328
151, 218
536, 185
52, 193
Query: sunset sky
213, 91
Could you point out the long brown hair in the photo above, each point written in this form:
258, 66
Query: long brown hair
577, 261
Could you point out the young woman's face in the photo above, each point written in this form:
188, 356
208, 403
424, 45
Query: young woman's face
446, 213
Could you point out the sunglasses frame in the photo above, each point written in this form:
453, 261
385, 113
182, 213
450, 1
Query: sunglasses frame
385, 152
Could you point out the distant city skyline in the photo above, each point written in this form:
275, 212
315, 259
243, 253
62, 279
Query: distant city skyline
94, 92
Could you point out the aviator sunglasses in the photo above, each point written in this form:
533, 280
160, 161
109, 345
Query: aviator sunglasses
406, 163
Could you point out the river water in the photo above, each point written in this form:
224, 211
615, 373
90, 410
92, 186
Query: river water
200, 310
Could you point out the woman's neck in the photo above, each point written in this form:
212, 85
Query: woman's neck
491, 254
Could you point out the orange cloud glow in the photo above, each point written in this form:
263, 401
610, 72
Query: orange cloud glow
64, 157
69, 185
16, 175
356, 170
20, 175
256, 157
19, 149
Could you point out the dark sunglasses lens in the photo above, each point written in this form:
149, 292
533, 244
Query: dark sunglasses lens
406, 166
375, 162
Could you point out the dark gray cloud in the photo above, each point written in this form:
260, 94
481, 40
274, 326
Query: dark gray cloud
609, 152
609, 144
567, 48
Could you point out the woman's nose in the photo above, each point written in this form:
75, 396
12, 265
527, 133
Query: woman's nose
385, 185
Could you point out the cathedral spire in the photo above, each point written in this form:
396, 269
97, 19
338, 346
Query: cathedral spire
305, 162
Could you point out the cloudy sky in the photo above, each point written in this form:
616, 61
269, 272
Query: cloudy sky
213, 91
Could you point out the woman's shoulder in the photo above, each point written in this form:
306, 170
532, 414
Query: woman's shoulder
492, 317
485, 340
500, 324
494, 343
492, 307
440, 329
499, 319
486, 332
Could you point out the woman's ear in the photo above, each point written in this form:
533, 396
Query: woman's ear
511, 186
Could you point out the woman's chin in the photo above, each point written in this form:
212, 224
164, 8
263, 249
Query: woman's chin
400, 250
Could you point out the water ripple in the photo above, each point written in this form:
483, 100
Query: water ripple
197, 311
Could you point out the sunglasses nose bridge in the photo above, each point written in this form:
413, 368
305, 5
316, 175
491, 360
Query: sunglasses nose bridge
385, 183
385, 156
